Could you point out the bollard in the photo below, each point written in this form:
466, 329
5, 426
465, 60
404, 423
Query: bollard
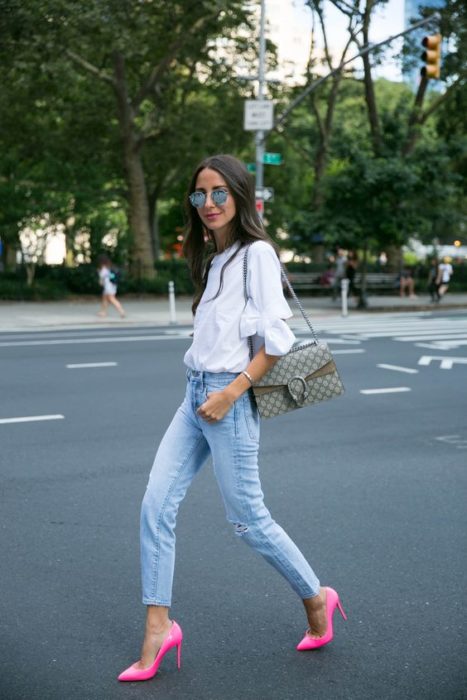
173, 314
344, 296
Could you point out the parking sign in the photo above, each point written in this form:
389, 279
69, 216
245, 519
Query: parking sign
258, 115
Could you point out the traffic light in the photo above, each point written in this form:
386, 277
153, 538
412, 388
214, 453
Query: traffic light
432, 56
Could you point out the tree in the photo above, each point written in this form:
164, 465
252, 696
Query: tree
134, 71
152, 65
385, 159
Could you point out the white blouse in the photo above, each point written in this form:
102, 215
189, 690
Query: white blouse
222, 325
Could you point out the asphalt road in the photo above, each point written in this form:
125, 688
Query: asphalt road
371, 486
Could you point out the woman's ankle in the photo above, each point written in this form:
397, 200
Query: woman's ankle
157, 619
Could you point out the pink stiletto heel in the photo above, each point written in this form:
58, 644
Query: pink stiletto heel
332, 602
173, 639
179, 655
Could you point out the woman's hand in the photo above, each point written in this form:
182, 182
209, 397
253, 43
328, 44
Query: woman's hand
218, 404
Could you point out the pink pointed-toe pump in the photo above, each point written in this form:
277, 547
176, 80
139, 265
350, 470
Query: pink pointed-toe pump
332, 602
173, 639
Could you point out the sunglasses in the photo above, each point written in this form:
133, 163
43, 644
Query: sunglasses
198, 198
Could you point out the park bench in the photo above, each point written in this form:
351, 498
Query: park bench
375, 281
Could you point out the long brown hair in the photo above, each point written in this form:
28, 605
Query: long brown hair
199, 246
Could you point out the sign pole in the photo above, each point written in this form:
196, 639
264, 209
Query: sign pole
259, 136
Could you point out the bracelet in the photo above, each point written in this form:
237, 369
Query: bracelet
248, 376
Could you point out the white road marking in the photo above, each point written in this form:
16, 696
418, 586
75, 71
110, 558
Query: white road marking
429, 335
31, 419
410, 327
340, 341
443, 344
348, 352
80, 341
446, 362
396, 368
455, 440
388, 390
92, 364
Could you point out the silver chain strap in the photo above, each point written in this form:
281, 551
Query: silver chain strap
290, 288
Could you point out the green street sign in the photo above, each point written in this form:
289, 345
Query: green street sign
272, 158
251, 167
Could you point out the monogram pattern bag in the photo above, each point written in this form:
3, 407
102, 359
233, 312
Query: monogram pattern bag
306, 375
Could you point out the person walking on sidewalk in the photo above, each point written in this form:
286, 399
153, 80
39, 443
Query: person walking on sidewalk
340, 272
108, 282
433, 286
445, 271
350, 272
218, 416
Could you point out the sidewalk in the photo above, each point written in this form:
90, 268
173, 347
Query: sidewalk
79, 314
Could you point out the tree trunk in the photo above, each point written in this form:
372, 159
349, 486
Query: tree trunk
394, 254
321, 158
414, 119
30, 273
9, 256
141, 256
370, 97
154, 224
362, 298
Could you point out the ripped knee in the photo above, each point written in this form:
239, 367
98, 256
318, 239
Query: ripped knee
240, 529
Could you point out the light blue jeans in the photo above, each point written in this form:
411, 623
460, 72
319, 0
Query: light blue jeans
233, 445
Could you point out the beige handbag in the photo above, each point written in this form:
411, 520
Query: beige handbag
306, 375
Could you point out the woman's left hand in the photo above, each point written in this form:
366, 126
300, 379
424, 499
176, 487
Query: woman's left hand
218, 404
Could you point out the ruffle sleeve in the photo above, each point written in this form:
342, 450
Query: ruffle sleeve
266, 310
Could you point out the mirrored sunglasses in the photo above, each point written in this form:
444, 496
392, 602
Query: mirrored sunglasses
198, 198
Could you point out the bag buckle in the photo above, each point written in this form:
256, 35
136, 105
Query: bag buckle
298, 397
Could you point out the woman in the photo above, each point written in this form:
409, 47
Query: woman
218, 416
109, 288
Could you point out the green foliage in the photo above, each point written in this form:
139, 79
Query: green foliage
58, 282
61, 142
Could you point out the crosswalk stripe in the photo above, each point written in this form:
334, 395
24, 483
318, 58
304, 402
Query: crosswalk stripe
429, 336
30, 419
396, 368
387, 390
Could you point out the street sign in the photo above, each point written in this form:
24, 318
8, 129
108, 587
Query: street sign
251, 167
260, 206
272, 158
258, 115
266, 194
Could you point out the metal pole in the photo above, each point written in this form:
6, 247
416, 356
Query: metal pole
259, 136
173, 313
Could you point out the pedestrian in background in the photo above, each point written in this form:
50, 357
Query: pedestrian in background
433, 286
445, 271
407, 283
218, 417
350, 272
108, 282
339, 274
328, 276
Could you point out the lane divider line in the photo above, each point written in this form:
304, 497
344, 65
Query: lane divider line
85, 365
82, 341
396, 368
350, 351
31, 419
387, 390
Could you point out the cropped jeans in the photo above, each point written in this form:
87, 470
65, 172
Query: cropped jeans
233, 444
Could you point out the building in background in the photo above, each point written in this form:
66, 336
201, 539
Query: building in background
289, 28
